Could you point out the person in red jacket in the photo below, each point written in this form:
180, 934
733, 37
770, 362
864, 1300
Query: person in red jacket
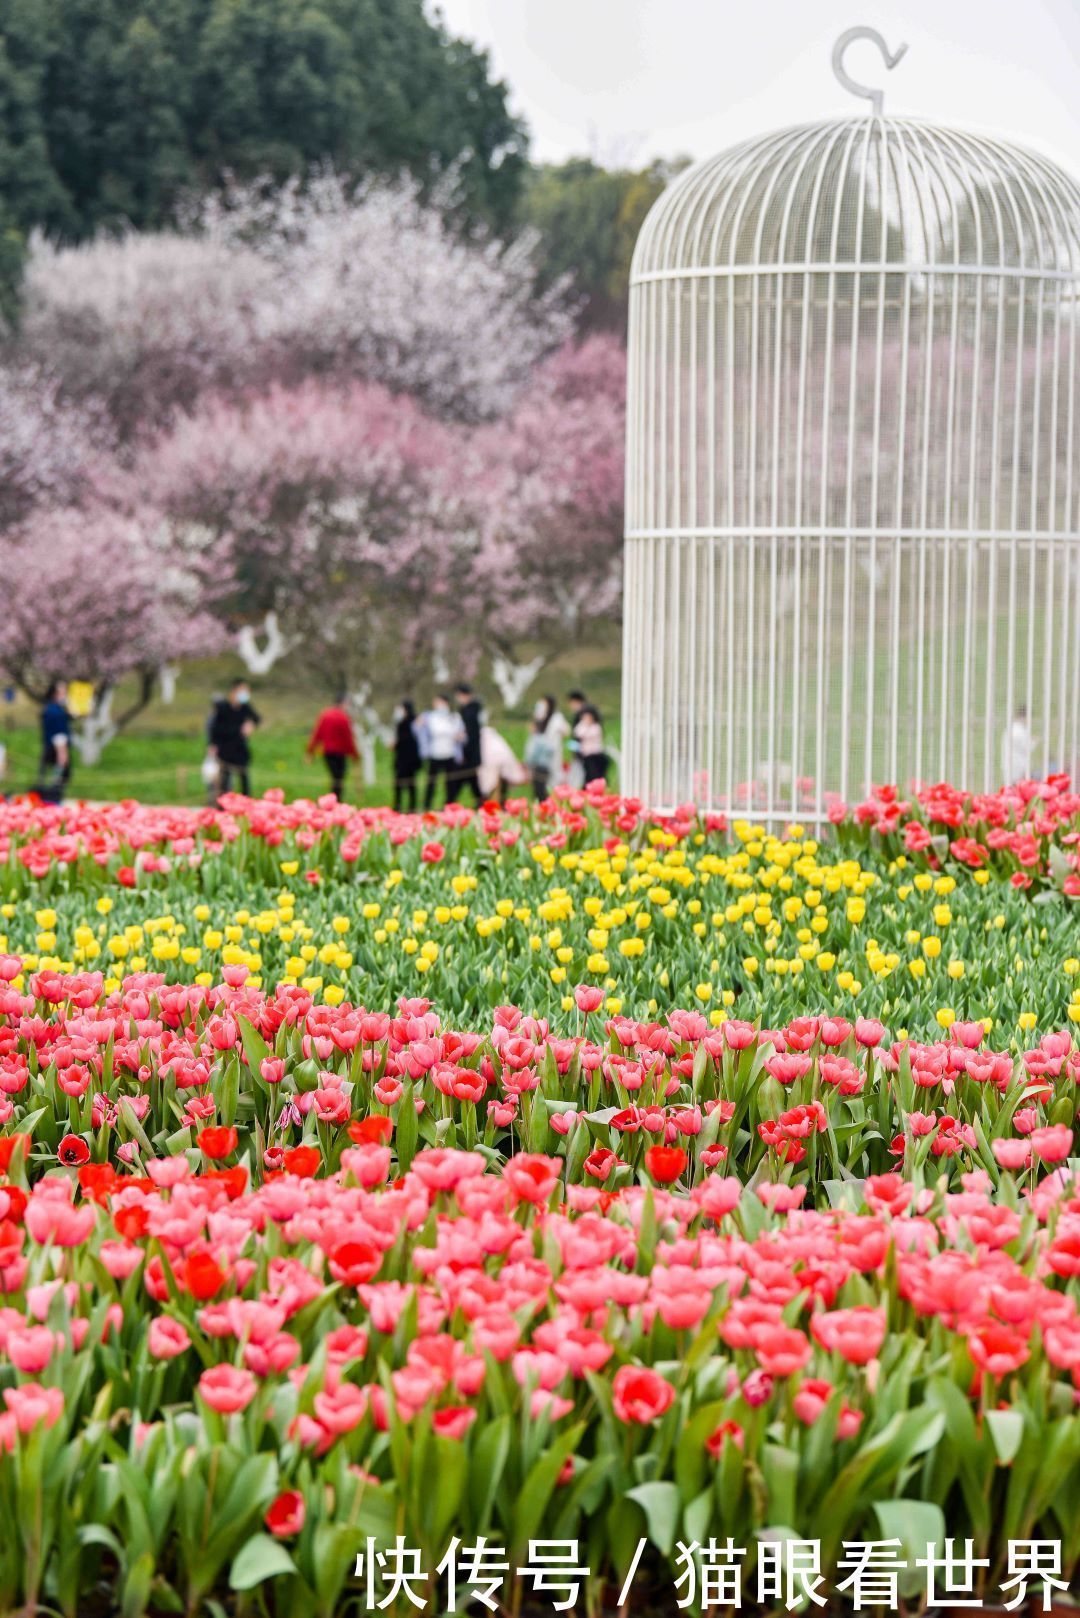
333, 737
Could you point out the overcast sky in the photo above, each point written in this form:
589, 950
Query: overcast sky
628, 80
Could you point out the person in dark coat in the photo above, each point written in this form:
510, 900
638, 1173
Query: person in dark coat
231, 730
406, 757
472, 717
55, 769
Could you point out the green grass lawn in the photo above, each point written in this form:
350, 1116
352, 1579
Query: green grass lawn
158, 758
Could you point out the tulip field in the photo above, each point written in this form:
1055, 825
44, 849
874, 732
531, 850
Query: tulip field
542, 1208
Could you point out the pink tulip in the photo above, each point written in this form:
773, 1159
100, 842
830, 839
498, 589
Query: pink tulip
226, 1389
168, 1339
30, 1350
30, 1403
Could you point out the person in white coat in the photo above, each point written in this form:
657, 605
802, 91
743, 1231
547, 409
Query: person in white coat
445, 735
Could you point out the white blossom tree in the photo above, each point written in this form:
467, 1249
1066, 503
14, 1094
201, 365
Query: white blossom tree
50, 448
265, 284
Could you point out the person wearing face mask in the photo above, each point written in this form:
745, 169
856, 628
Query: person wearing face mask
444, 738
544, 752
406, 757
231, 730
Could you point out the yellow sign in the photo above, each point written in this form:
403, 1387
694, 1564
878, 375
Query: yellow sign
80, 698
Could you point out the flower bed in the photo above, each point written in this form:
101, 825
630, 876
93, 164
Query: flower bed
90, 1077
209, 1374
299, 1267
474, 909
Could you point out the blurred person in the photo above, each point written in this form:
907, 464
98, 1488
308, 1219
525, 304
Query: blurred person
231, 729
445, 737
472, 719
575, 701
552, 726
55, 769
1017, 748
211, 769
334, 738
406, 756
589, 735
539, 760
499, 765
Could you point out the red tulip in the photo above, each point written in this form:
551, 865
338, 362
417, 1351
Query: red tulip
665, 1163
640, 1394
217, 1141
373, 1130
601, 1163
285, 1514
728, 1432
303, 1161
202, 1275
9, 1144
352, 1263
997, 1349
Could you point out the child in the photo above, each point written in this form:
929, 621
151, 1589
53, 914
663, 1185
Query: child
589, 735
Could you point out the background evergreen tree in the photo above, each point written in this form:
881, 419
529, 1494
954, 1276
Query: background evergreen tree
111, 110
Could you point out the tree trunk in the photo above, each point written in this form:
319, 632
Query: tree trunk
514, 679
261, 659
369, 730
97, 730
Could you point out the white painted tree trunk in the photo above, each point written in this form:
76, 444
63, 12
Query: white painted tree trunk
260, 659
369, 730
168, 675
440, 668
97, 730
514, 679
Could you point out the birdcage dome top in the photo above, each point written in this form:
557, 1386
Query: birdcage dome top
866, 190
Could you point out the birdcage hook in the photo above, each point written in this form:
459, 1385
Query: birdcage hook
890, 58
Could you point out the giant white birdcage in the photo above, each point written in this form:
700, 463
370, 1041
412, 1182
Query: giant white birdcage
853, 469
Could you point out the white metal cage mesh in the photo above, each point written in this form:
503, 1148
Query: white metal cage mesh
853, 470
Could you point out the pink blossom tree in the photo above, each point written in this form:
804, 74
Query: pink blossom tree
96, 596
359, 529
549, 555
340, 514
